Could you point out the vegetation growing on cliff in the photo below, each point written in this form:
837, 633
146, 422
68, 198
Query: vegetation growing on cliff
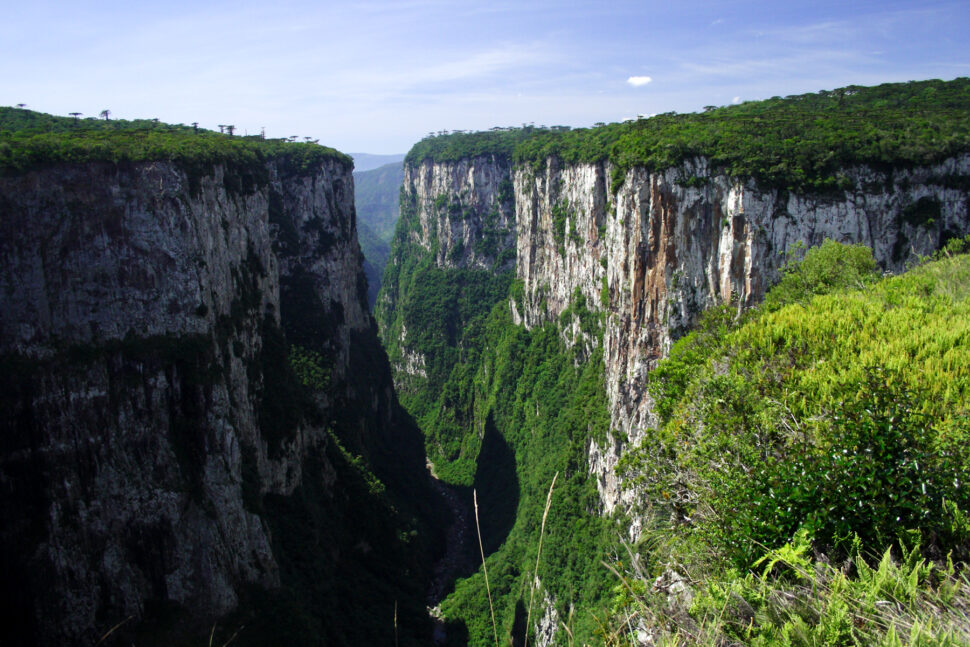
538, 405
833, 423
30, 140
441, 313
799, 142
832, 419
499, 142
432, 320
503, 410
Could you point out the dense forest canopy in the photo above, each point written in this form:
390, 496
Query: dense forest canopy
31, 139
797, 142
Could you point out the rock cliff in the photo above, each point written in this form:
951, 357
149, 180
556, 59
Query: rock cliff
466, 211
669, 244
177, 346
461, 215
451, 261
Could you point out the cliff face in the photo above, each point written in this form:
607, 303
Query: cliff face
668, 245
465, 211
150, 318
462, 216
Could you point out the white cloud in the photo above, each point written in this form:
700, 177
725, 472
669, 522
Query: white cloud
736, 100
637, 81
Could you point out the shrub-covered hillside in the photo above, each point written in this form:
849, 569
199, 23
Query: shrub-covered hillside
834, 421
537, 403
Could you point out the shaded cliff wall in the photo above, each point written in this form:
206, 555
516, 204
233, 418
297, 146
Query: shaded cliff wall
179, 344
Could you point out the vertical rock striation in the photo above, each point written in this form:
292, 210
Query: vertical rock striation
454, 216
465, 211
148, 315
668, 245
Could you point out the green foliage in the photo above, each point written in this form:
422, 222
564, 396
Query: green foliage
442, 312
503, 409
590, 323
309, 367
844, 415
827, 268
545, 407
432, 319
517, 294
560, 214
30, 140
880, 470
499, 142
799, 142
801, 600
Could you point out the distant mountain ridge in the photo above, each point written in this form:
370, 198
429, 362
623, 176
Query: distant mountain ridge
369, 161
377, 195
377, 200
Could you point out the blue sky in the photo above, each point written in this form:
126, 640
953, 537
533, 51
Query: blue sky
376, 76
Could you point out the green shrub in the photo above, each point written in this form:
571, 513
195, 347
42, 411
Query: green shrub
827, 268
30, 140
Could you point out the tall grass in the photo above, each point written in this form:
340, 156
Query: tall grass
800, 599
535, 573
481, 548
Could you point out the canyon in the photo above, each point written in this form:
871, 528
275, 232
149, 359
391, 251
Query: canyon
208, 434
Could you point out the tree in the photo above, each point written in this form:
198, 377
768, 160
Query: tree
21, 105
195, 126
222, 128
105, 114
230, 128
75, 115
